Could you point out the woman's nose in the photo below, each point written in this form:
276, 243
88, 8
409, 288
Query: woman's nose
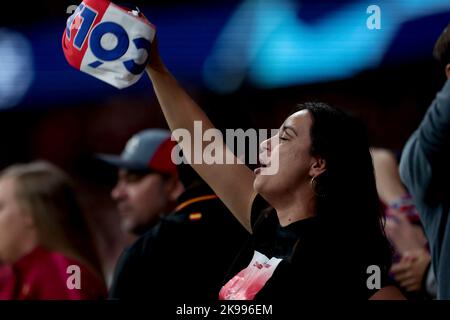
265, 145
264, 151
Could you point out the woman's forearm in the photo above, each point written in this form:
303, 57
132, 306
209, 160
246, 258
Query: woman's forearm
233, 183
178, 107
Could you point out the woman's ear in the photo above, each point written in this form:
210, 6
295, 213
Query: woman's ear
318, 167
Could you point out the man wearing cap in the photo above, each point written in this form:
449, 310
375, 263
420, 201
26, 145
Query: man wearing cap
148, 184
185, 257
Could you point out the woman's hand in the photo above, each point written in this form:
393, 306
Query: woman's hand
410, 271
155, 62
233, 183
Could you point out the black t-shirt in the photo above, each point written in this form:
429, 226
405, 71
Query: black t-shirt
318, 261
185, 257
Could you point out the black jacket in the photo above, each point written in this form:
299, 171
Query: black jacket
185, 257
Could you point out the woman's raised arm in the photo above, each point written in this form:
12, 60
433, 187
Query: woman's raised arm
233, 183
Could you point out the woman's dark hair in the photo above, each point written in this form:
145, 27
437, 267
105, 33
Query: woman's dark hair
346, 192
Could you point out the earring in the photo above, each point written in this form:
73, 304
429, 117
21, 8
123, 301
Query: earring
313, 187
313, 183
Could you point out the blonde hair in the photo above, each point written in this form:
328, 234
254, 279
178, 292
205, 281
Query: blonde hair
48, 194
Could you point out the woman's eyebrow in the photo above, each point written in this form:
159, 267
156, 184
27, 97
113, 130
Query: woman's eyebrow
285, 128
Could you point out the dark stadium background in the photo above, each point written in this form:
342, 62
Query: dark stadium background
66, 116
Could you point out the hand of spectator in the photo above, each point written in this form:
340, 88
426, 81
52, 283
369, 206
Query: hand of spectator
404, 235
410, 271
155, 62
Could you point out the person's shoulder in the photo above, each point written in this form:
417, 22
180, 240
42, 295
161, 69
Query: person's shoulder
152, 238
199, 212
388, 293
59, 261
46, 275
65, 265
79, 281
42, 262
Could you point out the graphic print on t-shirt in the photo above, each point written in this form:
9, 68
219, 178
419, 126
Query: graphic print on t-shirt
248, 282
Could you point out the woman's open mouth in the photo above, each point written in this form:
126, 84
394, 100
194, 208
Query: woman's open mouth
258, 170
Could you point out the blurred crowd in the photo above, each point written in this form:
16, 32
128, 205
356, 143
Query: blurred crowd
183, 238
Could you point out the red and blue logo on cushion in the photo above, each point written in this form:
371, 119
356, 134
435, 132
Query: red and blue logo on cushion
108, 42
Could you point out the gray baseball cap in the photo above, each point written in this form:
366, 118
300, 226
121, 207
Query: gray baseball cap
148, 150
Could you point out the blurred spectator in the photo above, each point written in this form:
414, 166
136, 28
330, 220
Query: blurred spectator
412, 259
186, 256
147, 185
425, 170
42, 234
